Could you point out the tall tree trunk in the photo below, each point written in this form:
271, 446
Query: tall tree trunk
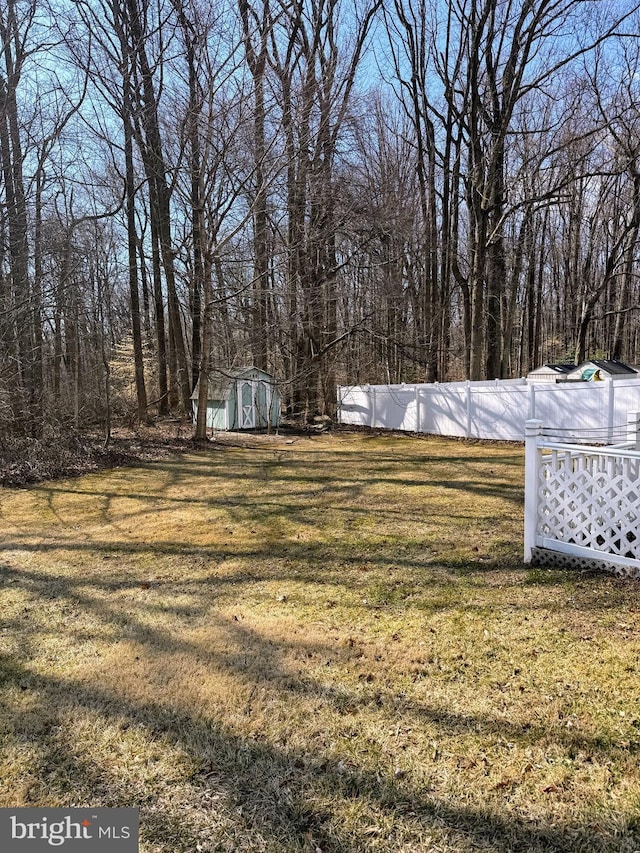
16, 211
159, 194
256, 60
132, 248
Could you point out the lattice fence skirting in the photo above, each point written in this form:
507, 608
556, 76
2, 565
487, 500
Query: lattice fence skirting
545, 558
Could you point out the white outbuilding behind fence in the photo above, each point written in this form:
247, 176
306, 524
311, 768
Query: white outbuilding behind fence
495, 410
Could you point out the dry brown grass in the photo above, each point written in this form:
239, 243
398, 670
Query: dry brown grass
328, 645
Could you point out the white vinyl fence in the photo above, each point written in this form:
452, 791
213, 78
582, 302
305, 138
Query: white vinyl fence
495, 410
582, 503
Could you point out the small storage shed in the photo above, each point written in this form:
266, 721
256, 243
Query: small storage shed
241, 398
550, 373
598, 369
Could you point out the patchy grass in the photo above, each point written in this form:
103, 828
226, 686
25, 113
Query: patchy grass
322, 644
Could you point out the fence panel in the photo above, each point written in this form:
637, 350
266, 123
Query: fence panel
443, 409
495, 410
626, 399
395, 407
354, 406
499, 412
577, 410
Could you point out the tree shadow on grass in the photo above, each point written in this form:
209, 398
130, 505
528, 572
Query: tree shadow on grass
342, 477
383, 580
281, 797
276, 789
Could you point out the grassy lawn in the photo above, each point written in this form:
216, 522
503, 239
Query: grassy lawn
322, 644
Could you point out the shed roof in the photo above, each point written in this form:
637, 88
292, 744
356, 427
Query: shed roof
561, 369
222, 380
600, 368
612, 366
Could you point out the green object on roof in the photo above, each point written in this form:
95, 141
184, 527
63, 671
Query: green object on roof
591, 374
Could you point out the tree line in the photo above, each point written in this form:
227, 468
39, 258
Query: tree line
336, 191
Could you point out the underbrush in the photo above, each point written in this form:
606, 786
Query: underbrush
64, 452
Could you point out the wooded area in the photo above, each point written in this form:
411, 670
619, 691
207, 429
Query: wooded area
334, 191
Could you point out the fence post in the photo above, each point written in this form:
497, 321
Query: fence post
532, 400
532, 432
633, 429
610, 409
469, 403
417, 387
372, 389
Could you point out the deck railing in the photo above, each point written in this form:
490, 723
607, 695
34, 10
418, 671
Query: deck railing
582, 503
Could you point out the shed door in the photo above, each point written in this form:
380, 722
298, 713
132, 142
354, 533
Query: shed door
263, 404
246, 404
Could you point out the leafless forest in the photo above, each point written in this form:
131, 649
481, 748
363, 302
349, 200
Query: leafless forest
336, 191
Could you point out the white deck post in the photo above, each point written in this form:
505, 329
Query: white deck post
633, 429
532, 432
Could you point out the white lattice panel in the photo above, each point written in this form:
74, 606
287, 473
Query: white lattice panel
548, 559
591, 500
